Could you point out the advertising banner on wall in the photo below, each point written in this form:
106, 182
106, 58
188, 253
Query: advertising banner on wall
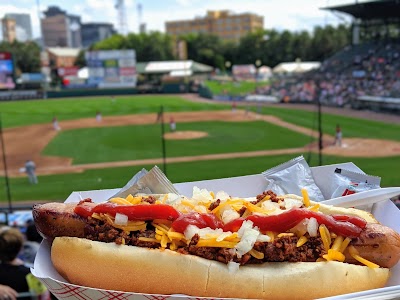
6, 71
112, 68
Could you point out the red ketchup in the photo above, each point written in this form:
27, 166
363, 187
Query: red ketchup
140, 212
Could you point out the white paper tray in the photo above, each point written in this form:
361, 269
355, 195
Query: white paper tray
244, 186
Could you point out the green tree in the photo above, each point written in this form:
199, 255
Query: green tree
26, 56
148, 46
206, 49
81, 60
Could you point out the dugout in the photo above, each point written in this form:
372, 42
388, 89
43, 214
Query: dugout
178, 76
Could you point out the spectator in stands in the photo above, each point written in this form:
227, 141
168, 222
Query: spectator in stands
31, 244
13, 272
30, 170
338, 136
7, 293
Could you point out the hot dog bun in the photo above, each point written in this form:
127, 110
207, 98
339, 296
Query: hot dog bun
134, 269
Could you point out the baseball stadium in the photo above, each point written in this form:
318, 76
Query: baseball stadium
303, 123
98, 139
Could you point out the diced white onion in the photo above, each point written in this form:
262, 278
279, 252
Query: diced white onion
233, 266
190, 231
248, 236
201, 195
312, 227
222, 236
173, 199
247, 241
229, 214
263, 238
245, 225
290, 203
273, 207
121, 219
221, 195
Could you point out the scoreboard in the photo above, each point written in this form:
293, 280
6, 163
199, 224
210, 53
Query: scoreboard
112, 68
6, 71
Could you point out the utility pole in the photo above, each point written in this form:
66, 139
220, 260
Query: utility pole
7, 183
161, 118
320, 142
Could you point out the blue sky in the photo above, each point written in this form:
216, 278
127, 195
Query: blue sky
293, 15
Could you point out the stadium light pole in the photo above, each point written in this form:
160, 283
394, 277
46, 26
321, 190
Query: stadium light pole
3, 151
161, 119
320, 142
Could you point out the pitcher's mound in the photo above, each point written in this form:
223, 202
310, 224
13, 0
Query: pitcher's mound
185, 135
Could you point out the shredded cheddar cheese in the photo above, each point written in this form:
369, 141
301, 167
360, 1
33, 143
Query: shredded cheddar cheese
145, 239
120, 201
271, 235
134, 200
285, 234
337, 243
344, 245
315, 207
302, 240
255, 208
334, 255
175, 235
256, 254
325, 236
306, 199
130, 226
214, 243
354, 253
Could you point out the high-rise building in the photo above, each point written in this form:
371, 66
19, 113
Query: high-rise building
23, 26
9, 30
225, 24
95, 32
60, 29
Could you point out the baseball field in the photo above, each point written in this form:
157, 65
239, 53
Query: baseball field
211, 141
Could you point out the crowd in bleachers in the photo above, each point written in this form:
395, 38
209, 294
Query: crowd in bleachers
371, 69
18, 248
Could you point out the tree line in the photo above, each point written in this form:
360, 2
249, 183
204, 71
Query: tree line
270, 47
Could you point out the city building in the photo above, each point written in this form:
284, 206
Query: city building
62, 57
60, 29
225, 24
9, 30
23, 26
95, 32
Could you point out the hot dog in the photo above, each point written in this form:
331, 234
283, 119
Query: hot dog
218, 246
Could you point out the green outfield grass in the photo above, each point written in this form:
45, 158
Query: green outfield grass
144, 141
351, 127
231, 88
58, 187
21, 113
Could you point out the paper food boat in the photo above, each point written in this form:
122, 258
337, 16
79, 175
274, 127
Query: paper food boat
384, 210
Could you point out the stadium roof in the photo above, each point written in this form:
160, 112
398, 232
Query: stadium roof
62, 51
380, 9
296, 67
173, 67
